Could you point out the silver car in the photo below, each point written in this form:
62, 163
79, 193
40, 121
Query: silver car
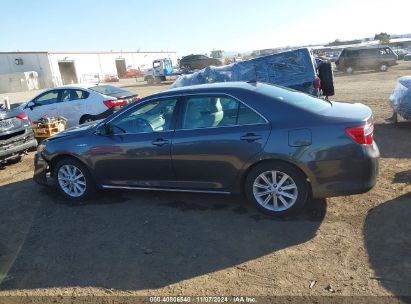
78, 103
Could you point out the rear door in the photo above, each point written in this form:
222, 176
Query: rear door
44, 105
216, 135
72, 105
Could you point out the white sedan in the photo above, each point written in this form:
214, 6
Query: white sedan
78, 103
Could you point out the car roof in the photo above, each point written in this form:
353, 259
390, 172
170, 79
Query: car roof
76, 86
81, 86
218, 86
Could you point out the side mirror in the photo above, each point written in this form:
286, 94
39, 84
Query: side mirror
104, 130
30, 105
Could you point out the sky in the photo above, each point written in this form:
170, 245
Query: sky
191, 26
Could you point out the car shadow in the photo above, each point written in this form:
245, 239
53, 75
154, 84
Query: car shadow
403, 177
387, 232
393, 140
135, 240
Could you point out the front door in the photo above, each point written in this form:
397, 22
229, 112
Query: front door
44, 105
133, 150
215, 138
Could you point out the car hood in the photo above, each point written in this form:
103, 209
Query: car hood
78, 130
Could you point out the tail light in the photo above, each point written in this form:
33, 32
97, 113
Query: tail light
362, 134
136, 98
23, 117
317, 82
114, 103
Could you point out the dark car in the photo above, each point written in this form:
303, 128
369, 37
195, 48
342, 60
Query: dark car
197, 62
276, 145
366, 58
16, 136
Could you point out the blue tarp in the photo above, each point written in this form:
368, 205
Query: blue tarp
294, 69
400, 99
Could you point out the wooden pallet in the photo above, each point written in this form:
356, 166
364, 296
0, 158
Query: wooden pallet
45, 130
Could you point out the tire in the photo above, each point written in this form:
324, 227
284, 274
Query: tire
86, 118
325, 72
186, 68
294, 179
157, 79
150, 80
68, 168
383, 67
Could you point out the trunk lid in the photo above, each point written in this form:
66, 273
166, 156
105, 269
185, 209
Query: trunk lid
9, 123
350, 112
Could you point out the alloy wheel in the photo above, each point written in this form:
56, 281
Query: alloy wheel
275, 190
71, 180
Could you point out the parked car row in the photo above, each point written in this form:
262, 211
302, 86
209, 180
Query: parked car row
277, 146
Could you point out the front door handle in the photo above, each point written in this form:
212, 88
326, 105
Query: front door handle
159, 142
250, 137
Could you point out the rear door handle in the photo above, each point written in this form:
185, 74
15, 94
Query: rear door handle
250, 137
159, 142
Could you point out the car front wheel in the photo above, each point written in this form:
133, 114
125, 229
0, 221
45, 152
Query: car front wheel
276, 188
73, 179
383, 67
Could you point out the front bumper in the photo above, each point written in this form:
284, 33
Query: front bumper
16, 146
41, 170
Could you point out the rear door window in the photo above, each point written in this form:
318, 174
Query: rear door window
69, 95
217, 111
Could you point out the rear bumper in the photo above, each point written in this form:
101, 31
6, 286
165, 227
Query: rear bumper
346, 177
17, 146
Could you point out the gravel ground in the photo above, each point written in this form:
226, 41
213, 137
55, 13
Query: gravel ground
151, 244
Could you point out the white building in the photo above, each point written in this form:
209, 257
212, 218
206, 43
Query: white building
58, 68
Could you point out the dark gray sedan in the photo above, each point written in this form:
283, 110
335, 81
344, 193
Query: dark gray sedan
277, 146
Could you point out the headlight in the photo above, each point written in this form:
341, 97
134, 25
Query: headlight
41, 147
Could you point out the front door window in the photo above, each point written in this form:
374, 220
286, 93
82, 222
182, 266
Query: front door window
154, 116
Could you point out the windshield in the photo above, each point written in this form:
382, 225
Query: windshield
295, 98
108, 89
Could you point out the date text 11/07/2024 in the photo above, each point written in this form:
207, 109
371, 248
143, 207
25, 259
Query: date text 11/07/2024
203, 299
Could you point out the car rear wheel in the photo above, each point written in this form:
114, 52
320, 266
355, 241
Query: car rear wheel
73, 179
150, 80
85, 119
186, 68
276, 188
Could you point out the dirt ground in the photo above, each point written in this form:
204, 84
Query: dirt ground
155, 244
